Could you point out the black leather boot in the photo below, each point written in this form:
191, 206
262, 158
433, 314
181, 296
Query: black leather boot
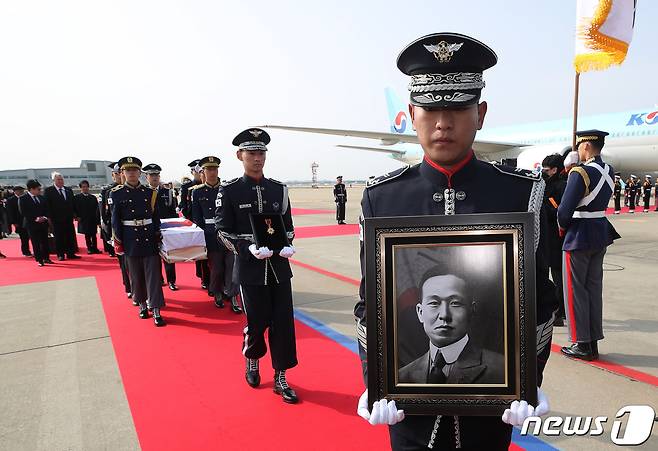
252, 375
282, 388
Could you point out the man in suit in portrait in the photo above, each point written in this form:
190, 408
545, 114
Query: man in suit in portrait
446, 310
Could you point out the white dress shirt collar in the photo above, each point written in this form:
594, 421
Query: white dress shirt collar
451, 352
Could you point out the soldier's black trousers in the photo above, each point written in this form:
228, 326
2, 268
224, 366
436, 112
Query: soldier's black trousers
646, 200
125, 275
617, 203
145, 280
107, 247
202, 271
473, 433
64, 232
340, 211
221, 273
170, 272
270, 306
91, 242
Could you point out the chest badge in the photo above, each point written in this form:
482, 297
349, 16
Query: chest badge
275, 205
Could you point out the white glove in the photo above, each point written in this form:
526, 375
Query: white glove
520, 410
260, 253
287, 251
383, 411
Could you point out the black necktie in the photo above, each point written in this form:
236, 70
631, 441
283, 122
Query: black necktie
36, 200
436, 375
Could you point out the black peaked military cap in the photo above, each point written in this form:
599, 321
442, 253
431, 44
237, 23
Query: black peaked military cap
445, 69
114, 166
130, 162
252, 139
152, 168
594, 136
209, 162
193, 163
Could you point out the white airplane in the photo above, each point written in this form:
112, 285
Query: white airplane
631, 147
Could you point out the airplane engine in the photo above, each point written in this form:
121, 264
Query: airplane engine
531, 157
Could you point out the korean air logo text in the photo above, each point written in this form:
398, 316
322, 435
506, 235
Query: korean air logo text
643, 119
400, 124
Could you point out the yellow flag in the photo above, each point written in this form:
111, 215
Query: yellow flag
604, 29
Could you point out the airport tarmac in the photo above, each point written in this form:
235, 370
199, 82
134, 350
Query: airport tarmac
43, 344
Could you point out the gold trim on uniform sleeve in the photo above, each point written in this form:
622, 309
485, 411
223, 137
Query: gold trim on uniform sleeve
583, 173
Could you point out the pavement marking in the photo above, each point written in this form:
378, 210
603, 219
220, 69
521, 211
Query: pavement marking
55, 345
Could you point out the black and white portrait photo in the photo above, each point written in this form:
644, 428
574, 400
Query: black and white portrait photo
450, 313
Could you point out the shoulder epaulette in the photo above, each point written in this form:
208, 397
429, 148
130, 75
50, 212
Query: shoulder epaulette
518, 172
196, 186
386, 177
276, 181
230, 182
116, 188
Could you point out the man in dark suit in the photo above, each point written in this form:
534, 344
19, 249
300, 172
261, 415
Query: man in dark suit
446, 311
60, 204
34, 209
16, 218
86, 210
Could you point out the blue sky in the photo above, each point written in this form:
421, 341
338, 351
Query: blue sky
169, 81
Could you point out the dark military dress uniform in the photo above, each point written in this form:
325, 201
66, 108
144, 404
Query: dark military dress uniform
166, 207
646, 193
220, 259
617, 193
201, 266
588, 234
136, 228
631, 193
265, 284
106, 214
340, 197
106, 218
471, 186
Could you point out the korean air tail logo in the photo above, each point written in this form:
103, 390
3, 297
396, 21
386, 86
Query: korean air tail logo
643, 119
400, 124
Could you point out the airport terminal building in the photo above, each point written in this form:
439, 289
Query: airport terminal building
96, 172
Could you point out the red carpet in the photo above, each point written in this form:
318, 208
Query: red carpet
308, 211
326, 230
638, 209
185, 382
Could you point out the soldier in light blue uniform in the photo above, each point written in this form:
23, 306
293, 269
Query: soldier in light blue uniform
136, 234
587, 234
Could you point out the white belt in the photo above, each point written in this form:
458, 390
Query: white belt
210, 221
589, 214
137, 222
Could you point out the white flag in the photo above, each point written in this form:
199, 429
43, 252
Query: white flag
604, 29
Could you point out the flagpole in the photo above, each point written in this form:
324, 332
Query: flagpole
575, 111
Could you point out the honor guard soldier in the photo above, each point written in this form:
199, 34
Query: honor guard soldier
220, 259
106, 214
646, 192
125, 276
587, 234
446, 82
264, 276
340, 197
631, 193
166, 207
201, 266
617, 193
136, 234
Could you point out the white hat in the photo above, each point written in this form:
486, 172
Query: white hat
571, 158
633, 176
647, 176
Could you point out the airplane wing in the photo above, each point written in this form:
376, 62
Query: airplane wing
374, 149
387, 139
